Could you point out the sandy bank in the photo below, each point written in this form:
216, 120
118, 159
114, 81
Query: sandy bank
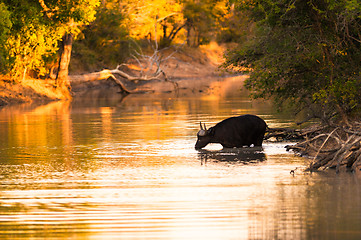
187, 70
29, 90
193, 70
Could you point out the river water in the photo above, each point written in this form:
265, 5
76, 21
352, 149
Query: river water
107, 167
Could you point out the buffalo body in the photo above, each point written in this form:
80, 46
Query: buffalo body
240, 131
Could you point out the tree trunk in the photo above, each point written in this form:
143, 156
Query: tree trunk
188, 27
64, 60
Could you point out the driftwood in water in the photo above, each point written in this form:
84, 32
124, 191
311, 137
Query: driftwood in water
337, 147
281, 134
105, 74
149, 68
119, 78
332, 147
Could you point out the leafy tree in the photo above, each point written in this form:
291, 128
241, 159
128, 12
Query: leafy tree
68, 17
234, 26
203, 18
28, 41
36, 29
168, 19
304, 52
171, 25
154, 19
105, 41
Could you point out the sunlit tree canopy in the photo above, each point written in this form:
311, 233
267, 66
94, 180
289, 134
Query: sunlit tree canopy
36, 28
32, 30
143, 16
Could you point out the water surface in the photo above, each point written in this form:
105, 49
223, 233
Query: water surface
107, 167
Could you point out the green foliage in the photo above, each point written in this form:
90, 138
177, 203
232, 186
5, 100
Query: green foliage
5, 23
70, 14
109, 40
5, 26
30, 40
28, 49
203, 19
234, 27
35, 31
304, 52
30, 31
103, 43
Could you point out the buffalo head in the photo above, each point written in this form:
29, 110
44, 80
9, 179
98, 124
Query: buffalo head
203, 136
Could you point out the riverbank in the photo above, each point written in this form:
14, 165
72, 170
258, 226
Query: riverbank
186, 69
29, 90
189, 68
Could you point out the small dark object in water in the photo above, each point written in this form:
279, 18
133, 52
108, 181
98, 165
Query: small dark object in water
244, 130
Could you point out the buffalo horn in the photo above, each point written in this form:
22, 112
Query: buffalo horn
205, 128
200, 123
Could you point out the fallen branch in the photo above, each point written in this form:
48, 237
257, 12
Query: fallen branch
149, 70
338, 150
115, 74
283, 134
105, 74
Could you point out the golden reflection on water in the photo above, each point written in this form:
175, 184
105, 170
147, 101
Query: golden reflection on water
127, 168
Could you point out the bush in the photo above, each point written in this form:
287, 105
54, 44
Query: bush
306, 53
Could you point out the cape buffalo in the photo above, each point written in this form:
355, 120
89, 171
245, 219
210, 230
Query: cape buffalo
240, 131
